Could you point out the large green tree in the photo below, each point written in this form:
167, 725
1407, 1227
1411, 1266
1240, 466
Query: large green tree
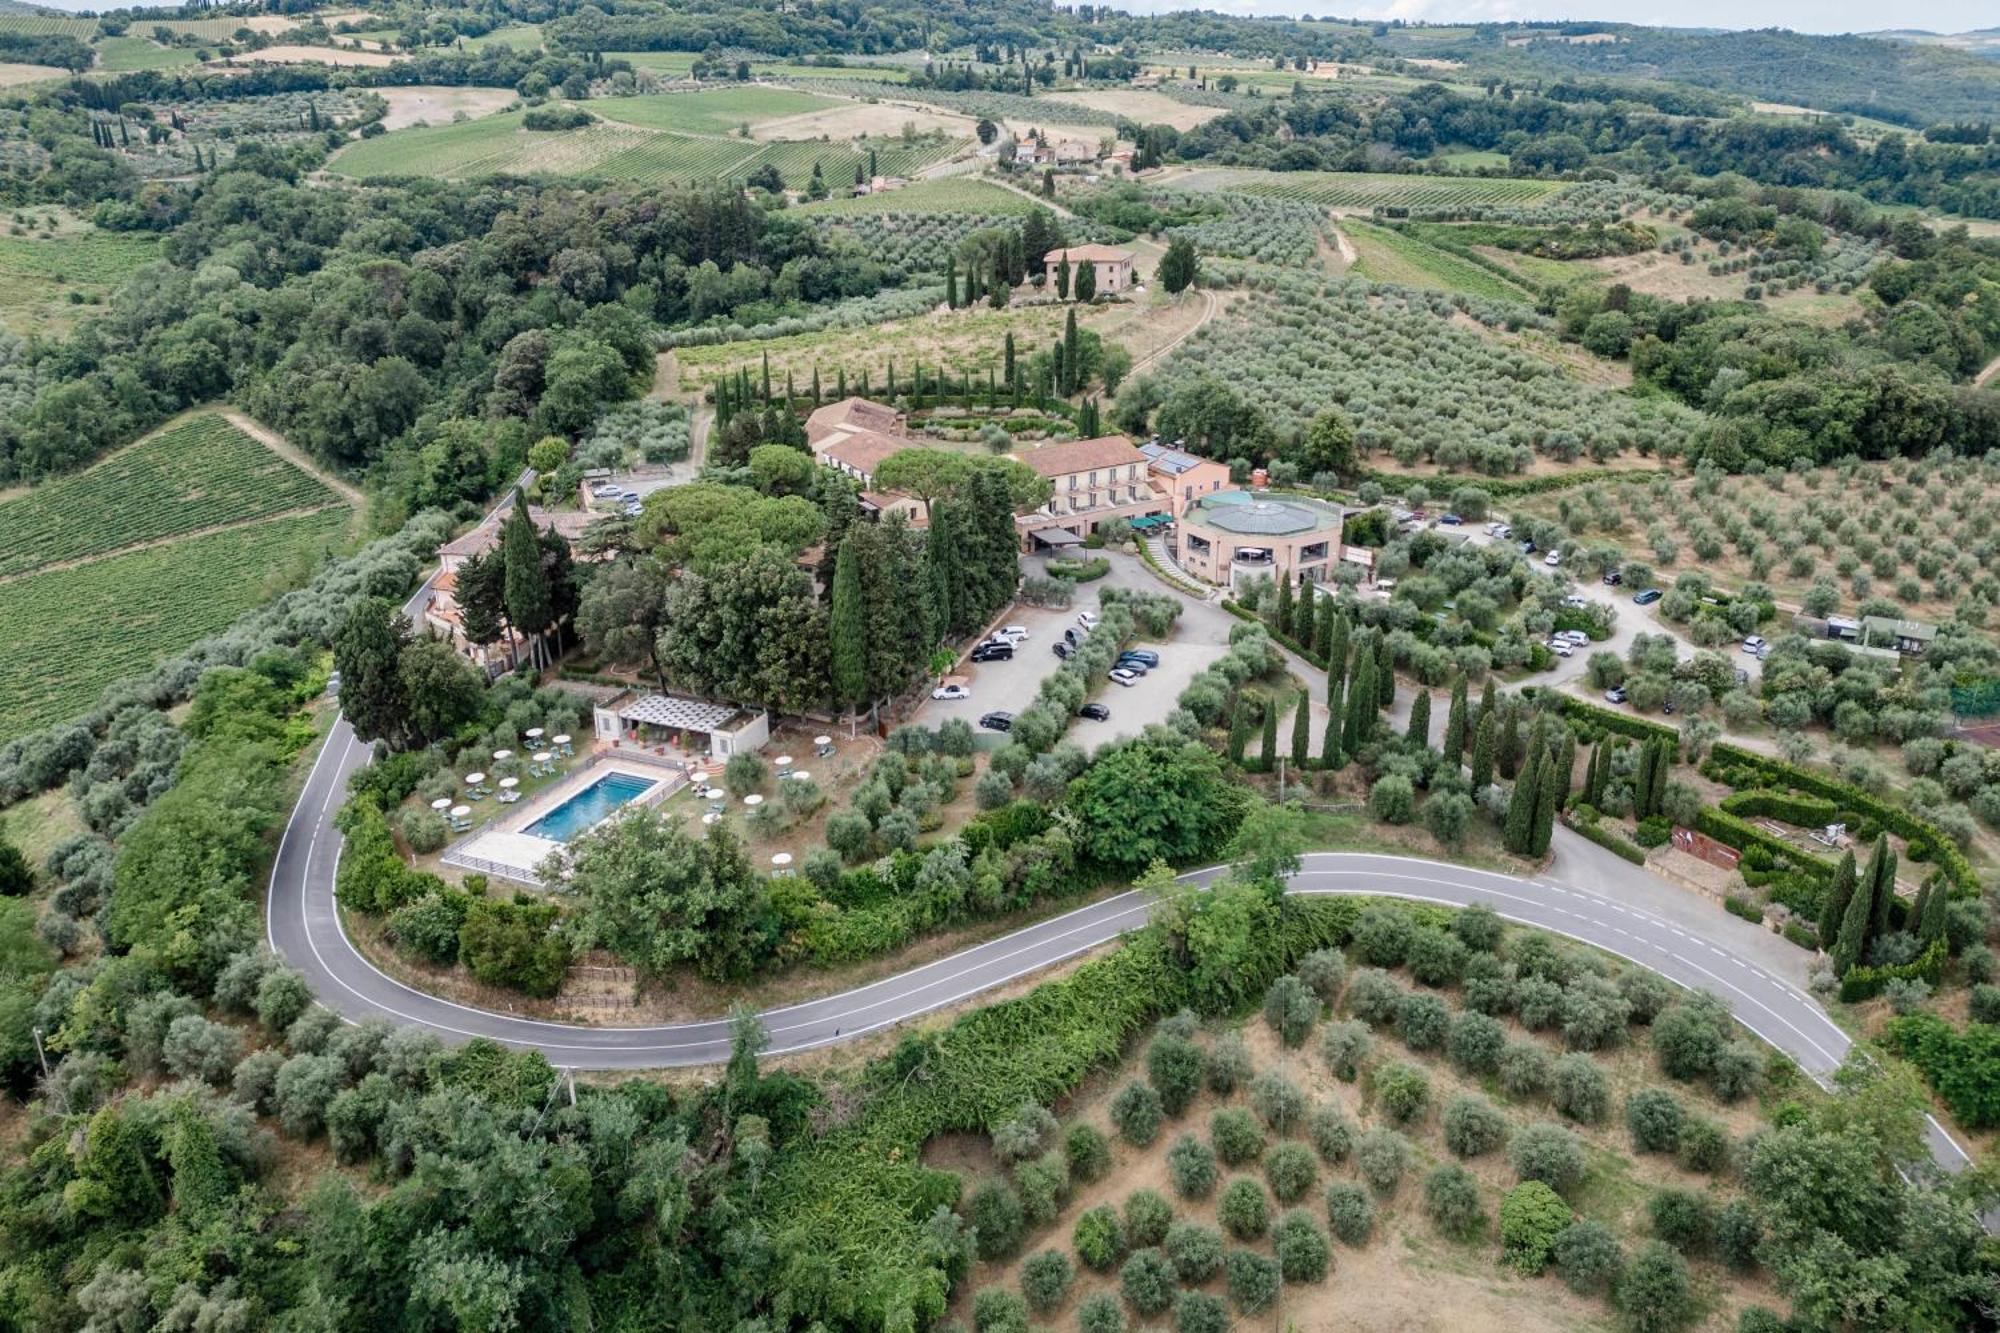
658, 898
753, 632
1155, 800
368, 654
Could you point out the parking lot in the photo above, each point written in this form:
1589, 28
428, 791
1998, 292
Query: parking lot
1005, 686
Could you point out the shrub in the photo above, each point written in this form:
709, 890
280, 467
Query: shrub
1148, 1217
1581, 1091
1242, 1210
1646, 994
1738, 1233
1654, 1116
1088, 1152
1290, 1169
1332, 1133
1278, 1100
1236, 1136
1344, 1045
1737, 1071
1532, 1217
1374, 997
1226, 1067
1653, 1290
1478, 927
1191, 1167
1147, 1280
1402, 1091
1383, 1156
1030, 1132
1350, 1212
196, 1048
1550, 1154
1324, 971
1473, 1126
1451, 1201
1594, 1013
305, 1084
1683, 1219
1304, 1253
1393, 800
1758, 1319
1539, 1001
1195, 1250
1686, 1036
1382, 935
998, 1222
1046, 1278
1423, 1021
1435, 958
1704, 1145
1098, 1238
1173, 1067
1587, 1256
1200, 1312
1043, 1185
1475, 1043
1526, 1069
1253, 1279
998, 1310
1101, 1314
1136, 1113
1291, 1008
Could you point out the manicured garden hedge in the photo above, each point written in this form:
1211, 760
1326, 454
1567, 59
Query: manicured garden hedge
1503, 488
1791, 807
1865, 983
1912, 829
1587, 823
1609, 719
1743, 836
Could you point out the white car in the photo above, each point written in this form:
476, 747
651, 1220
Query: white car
1553, 558
1576, 600
951, 692
1087, 619
1575, 637
1010, 634
1559, 648
1124, 677
1754, 645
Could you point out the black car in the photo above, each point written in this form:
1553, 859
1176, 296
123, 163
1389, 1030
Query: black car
1612, 578
1143, 656
1648, 597
1071, 637
997, 721
1095, 712
1061, 650
993, 652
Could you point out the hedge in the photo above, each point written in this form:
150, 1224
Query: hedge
1964, 1067
1865, 983
1846, 796
1638, 728
1078, 571
1740, 834
1792, 808
1244, 613
1609, 840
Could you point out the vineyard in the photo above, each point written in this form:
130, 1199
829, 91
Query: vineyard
114, 618
122, 55
1574, 205
197, 473
1415, 385
48, 25
713, 111
916, 242
1361, 189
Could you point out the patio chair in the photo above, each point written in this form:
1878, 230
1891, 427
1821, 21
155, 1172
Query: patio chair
461, 826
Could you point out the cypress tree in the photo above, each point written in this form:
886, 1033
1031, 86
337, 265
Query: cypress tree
1270, 751
1834, 906
1302, 732
1305, 632
951, 282
1454, 726
1008, 373
942, 575
1330, 757
1852, 943
1482, 753
1518, 834
1281, 621
1337, 641
1486, 701
847, 628
1323, 641
816, 397
1420, 718
1930, 920
1885, 894
528, 598
1358, 724
1239, 730
1565, 766
1507, 743
1548, 798
1385, 671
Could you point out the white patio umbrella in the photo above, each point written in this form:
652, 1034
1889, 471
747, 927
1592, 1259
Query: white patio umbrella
559, 740
753, 799
441, 803
460, 811
781, 859
533, 733
543, 756
510, 783
784, 761
799, 775
710, 817
474, 779
822, 740
502, 755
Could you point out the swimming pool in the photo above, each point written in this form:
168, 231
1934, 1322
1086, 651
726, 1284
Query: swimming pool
589, 807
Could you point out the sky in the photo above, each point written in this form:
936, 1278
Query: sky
1798, 15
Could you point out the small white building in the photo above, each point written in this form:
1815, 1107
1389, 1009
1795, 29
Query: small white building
666, 729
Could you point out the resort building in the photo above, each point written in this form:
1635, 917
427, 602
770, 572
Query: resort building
1094, 480
854, 436
1226, 535
1181, 476
1114, 266
663, 728
443, 617
567, 524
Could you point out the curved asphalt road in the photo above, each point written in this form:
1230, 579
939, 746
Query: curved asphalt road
1704, 950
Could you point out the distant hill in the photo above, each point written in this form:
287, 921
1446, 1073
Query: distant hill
1980, 41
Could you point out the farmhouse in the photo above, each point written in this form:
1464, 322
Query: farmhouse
1909, 637
1227, 535
1114, 266
569, 526
854, 436
1094, 480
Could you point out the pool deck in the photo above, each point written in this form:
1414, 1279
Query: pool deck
502, 850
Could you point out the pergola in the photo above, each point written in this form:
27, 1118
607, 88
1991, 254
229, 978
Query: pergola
664, 710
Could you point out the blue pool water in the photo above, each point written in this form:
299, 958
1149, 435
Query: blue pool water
589, 807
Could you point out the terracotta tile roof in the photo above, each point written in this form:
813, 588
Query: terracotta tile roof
860, 451
853, 413
1096, 254
1059, 460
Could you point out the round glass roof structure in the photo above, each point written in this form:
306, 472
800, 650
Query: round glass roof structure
1252, 515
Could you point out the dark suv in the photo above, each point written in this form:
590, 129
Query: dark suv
997, 721
1095, 712
993, 652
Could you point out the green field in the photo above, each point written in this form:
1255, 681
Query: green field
519, 36
1389, 256
199, 472
121, 55
497, 145
715, 111
954, 194
678, 63
1365, 189
48, 25
39, 274
73, 631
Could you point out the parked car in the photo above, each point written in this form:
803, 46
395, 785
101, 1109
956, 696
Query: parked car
1559, 648
1615, 695
1126, 664
1648, 596
993, 652
997, 721
1124, 676
1061, 650
951, 692
1011, 633
1576, 601
1754, 645
1575, 637
1144, 655
1612, 578
1095, 712
1502, 531
1450, 520
1071, 637
1527, 548
1087, 619
1552, 559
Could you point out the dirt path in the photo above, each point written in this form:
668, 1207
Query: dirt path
1211, 304
666, 376
292, 454
1985, 377
171, 539
1347, 254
